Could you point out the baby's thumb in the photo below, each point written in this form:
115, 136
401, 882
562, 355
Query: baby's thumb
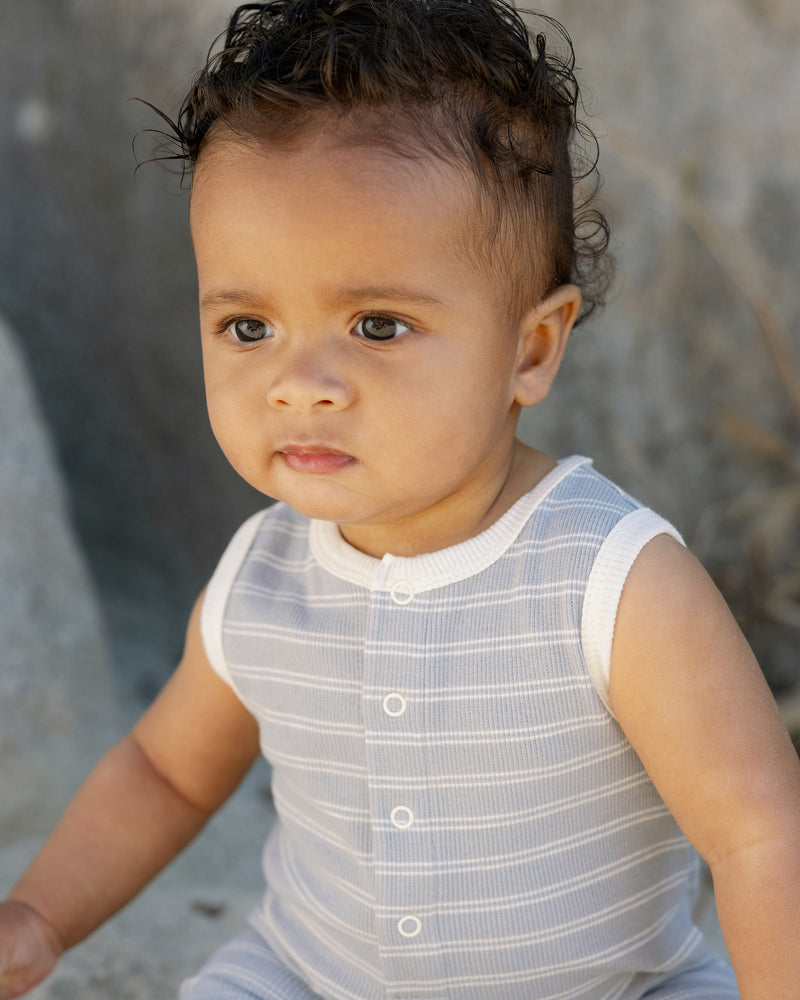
28, 949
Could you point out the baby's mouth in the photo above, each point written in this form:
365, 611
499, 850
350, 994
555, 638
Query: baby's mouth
314, 458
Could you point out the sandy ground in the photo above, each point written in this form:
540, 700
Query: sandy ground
200, 901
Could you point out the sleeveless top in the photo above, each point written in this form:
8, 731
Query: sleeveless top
459, 814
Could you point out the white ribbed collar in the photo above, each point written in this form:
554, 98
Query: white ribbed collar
433, 569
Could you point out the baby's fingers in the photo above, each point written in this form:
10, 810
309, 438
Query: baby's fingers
29, 949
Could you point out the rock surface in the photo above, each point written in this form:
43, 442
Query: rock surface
57, 703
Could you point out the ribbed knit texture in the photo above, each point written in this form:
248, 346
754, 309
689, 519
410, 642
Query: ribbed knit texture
458, 813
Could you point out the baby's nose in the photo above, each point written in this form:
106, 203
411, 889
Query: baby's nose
306, 383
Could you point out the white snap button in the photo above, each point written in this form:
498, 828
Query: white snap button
394, 704
409, 926
402, 592
402, 817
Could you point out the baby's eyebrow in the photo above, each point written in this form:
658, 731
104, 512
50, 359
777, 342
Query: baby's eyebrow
226, 296
379, 293
339, 297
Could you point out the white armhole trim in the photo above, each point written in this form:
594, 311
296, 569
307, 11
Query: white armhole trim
604, 589
216, 596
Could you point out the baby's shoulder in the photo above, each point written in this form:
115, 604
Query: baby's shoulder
580, 500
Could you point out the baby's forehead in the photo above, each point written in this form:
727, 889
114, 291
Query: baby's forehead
389, 155
330, 143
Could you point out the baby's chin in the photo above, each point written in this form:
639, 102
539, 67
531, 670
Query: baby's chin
318, 499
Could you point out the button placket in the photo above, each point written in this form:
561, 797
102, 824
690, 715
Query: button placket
396, 808
401, 817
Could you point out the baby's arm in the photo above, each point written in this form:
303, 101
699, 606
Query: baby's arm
691, 699
143, 802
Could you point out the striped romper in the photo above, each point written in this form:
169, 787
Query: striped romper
459, 814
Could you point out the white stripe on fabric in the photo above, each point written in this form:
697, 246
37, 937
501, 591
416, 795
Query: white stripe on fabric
514, 901
512, 859
590, 960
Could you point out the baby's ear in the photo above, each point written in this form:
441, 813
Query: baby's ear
543, 334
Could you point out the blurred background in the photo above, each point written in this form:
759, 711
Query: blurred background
686, 390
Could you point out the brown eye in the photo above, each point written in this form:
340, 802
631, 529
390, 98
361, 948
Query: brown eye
380, 328
248, 331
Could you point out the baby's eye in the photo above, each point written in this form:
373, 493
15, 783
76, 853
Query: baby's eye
249, 331
380, 328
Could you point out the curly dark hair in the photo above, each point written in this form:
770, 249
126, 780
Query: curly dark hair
463, 80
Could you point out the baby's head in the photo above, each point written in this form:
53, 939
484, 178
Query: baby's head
387, 256
454, 80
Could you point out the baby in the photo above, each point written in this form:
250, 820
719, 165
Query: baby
503, 705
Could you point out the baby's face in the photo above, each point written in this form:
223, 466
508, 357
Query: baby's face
358, 364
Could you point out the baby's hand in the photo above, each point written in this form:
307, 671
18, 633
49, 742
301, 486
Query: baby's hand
29, 948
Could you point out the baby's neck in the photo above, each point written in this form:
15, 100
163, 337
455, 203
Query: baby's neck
453, 520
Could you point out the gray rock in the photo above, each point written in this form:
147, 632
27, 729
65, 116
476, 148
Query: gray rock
57, 707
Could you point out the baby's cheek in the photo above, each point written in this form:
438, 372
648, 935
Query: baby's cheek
227, 429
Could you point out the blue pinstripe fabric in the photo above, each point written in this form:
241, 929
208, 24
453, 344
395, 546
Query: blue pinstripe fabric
459, 815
